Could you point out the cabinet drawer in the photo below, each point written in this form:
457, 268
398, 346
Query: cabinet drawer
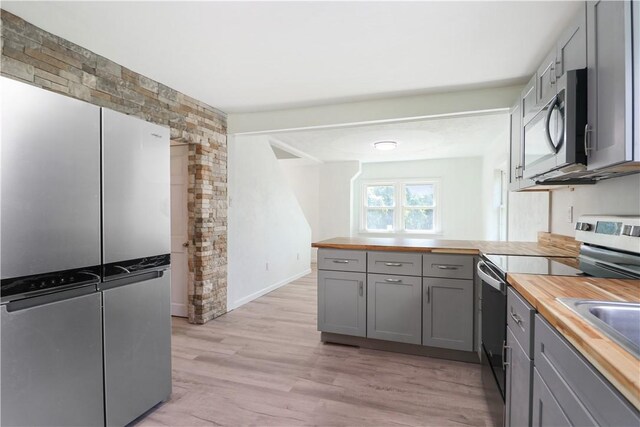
342, 260
584, 395
520, 318
447, 266
405, 264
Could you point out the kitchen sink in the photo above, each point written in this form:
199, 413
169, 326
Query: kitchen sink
620, 321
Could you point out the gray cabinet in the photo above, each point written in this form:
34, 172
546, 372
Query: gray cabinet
342, 302
447, 319
546, 79
528, 100
609, 80
572, 45
398, 263
342, 260
394, 308
583, 394
518, 384
546, 410
515, 160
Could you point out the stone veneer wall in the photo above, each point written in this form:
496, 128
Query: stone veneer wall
32, 55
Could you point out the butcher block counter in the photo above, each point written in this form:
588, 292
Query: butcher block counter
613, 361
471, 247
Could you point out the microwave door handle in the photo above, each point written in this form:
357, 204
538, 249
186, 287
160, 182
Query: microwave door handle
552, 106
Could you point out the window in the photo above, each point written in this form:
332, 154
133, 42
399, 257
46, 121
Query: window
400, 207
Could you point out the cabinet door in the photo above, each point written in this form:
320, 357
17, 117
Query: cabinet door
572, 45
529, 101
609, 81
515, 162
342, 303
546, 411
546, 79
394, 308
447, 320
518, 384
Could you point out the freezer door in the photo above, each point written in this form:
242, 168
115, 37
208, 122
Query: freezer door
51, 357
137, 346
136, 190
50, 181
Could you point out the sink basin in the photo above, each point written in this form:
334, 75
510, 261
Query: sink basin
620, 321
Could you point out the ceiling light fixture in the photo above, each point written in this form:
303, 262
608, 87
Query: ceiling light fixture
385, 145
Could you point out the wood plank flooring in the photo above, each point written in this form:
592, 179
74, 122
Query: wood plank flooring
264, 364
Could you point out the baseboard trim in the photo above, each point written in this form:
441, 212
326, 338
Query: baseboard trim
264, 291
398, 347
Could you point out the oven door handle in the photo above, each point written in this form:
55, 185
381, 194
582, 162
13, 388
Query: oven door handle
485, 274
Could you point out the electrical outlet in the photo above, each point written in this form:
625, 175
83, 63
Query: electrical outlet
298, 256
267, 266
570, 215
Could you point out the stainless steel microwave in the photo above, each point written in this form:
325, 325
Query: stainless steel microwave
553, 140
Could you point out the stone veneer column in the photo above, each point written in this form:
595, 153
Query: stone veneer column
42, 59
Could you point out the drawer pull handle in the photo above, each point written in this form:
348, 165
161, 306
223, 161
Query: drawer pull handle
361, 288
341, 261
393, 264
428, 294
447, 267
516, 318
393, 280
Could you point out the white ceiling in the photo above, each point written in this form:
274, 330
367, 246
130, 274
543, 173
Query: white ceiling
436, 138
251, 56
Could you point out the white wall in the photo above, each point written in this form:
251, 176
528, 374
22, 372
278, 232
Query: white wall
460, 188
266, 223
374, 110
304, 181
616, 196
336, 198
528, 214
495, 159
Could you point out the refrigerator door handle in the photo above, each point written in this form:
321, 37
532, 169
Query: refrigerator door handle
26, 303
134, 278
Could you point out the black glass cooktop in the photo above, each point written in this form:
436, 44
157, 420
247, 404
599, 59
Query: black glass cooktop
535, 265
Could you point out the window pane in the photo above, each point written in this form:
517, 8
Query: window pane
380, 195
418, 219
418, 194
380, 219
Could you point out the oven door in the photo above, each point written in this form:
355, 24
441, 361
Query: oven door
543, 138
494, 322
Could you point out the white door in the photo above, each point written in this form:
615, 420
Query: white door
179, 237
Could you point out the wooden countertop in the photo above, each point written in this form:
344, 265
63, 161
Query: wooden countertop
472, 247
617, 364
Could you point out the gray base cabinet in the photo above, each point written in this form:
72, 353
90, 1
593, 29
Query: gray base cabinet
518, 384
342, 302
448, 313
394, 308
546, 410
584, 396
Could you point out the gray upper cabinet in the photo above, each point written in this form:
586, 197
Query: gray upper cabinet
394, 308
609, 80
515, 161
447, 319
518, 383
546, 79
528, 98
572, 45
342, 302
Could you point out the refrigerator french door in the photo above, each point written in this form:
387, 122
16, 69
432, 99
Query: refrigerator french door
51, 349
136, 277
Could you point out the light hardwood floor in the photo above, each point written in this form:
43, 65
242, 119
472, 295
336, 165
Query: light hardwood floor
264, 364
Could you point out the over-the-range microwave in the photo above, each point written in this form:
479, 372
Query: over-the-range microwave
553, 140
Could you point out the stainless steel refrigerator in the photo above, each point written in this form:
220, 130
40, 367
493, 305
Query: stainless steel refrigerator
136, 277
50, 309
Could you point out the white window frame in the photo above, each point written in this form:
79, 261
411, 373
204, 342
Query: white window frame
399, 206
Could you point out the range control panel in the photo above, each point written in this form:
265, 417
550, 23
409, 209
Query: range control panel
617, 232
